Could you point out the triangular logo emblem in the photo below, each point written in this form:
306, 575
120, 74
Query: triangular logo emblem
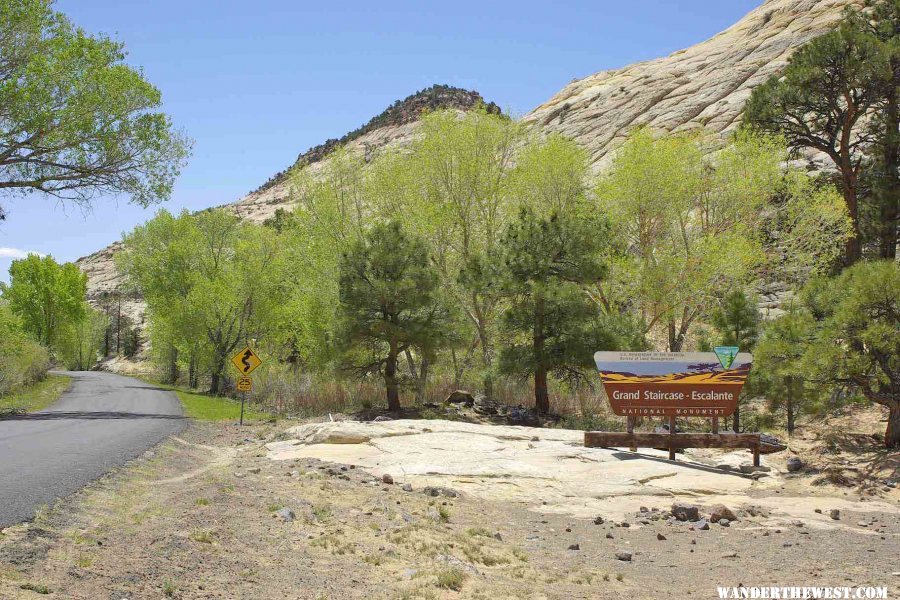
726, 355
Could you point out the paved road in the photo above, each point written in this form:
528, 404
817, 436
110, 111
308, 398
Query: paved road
102, 421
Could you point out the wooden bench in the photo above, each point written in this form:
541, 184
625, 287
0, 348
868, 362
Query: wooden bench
675, 441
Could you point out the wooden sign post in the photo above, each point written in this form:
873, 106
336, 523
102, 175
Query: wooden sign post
674, 384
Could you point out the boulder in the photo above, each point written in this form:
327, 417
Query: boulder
685, 512
794, 464
460, 397
719, 512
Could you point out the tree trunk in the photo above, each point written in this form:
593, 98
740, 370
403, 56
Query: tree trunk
192, 370
541, 396
390, 382
423, 379
172, 374
892, 434
889, 192
488, 366
853, 247
411, 363
790, 408
736, 418
215, 382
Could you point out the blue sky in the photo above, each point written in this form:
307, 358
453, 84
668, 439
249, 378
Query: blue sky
256, 83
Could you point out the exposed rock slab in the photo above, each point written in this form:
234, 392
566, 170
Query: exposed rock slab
705, 85
549, 470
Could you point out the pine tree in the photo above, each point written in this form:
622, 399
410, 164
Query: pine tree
552, 326
389, 303
737, 323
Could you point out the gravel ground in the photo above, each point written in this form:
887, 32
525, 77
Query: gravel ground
206, 515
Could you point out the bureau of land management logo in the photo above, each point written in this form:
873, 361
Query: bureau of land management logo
726, 355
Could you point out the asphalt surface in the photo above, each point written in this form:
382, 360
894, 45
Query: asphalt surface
101, 422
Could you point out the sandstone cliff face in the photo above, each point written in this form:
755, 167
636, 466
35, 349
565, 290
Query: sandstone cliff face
705, 85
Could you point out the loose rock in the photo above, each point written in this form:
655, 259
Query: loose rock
285, 514
624, 556
685, 512
387, 478
794, 464
719, 512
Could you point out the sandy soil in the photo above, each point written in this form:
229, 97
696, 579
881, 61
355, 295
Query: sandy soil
198, 518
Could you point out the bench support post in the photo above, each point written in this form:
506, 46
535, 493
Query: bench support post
671, 437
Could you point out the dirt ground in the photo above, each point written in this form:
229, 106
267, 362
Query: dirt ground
201, 517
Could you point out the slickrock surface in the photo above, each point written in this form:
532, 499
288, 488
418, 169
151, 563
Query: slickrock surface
705, 85
550, 470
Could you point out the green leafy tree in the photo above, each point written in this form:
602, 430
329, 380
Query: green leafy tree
736, 320
857, 345
76, 120
46, 296
779, 370
24, 360
691, 223
211, 283
820, 102
159, 262
552, 326
80, 344
389, 302
452, 193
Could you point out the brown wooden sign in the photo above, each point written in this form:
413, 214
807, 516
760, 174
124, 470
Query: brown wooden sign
675, 384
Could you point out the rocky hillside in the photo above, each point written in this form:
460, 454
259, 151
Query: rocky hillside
393, 127
705, 85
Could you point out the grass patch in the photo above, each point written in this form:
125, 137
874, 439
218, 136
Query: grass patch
444, 514
451, 579
35, 587
203, 536
35, 397
203, 407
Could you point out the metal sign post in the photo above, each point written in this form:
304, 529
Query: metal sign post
246, 361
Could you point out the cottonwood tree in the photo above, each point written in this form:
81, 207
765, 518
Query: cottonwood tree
389, 302
688, 222
551, 325
159, 262
75, 120
552, 175
46, 296
457, 202
80, 344
211, 283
